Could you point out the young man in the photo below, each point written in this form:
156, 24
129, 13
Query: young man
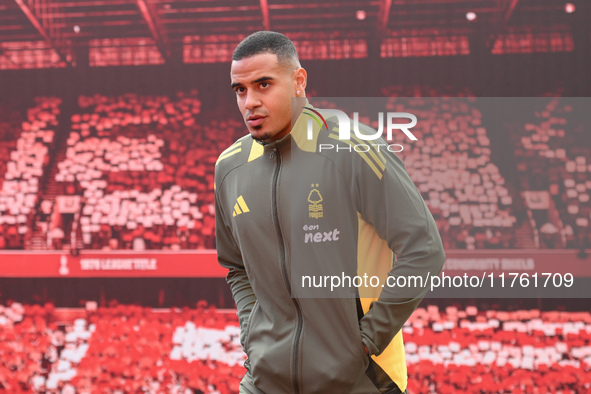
286, 210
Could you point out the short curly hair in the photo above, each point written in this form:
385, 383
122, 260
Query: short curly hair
268, 42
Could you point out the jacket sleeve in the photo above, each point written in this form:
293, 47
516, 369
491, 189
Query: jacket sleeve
229, 257
394, 206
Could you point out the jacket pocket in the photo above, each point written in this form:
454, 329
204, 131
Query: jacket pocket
248, 327
357, 330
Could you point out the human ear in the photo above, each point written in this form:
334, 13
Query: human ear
300, 80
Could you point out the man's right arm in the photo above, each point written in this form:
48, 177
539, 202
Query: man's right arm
229, 257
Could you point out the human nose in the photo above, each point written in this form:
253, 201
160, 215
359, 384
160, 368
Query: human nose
251, 100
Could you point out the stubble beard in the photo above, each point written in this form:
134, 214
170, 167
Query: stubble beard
265, 137
260, 138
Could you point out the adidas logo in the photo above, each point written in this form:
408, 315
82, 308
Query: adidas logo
240, 207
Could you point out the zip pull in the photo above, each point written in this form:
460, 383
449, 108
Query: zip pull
273, 153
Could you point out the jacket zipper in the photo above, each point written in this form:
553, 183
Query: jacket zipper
299, 325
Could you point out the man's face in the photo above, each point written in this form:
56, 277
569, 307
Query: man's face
263, 91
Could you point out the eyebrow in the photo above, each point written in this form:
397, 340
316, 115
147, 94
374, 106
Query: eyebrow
261, 79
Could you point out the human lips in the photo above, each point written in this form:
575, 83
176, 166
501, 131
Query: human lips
255, 120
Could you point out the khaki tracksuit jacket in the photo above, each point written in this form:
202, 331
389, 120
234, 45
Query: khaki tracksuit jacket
294, 212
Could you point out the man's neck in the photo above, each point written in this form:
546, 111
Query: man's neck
297, 107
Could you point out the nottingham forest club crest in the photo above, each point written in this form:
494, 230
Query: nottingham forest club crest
315, 198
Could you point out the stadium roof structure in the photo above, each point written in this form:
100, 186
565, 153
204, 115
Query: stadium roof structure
61, 33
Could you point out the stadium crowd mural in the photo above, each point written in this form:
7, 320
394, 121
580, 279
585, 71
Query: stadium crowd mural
125, 348
141, 168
